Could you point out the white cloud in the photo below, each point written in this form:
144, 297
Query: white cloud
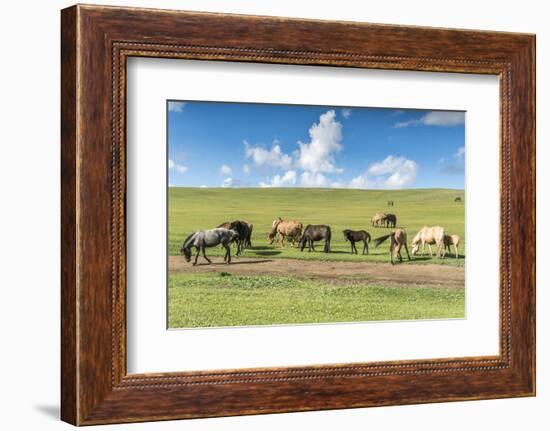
175, 167
288, 179
203, 186
176, 106
361, 182
225, 170
394, 172
246, 169
390, 173
271, 158
228, 182
435, 118
318, 155
311, 179
460, 153
346, 112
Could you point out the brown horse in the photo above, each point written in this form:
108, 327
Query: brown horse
449, 240
378, 219
398, 239
354, 236
285, 228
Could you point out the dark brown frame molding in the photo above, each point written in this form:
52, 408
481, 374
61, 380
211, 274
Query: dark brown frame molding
95, 43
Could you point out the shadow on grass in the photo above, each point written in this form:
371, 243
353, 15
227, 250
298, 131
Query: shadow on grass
260, 247
268, 253
234, 262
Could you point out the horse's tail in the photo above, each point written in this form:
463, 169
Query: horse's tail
381, 239
327, 241
368, 237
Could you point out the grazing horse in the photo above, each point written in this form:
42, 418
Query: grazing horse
449, 240
430, 235
391, 220
243, 230
208, 238
357, 235
398, 239
378, 219
390, 203
458, 199
285, 228
313, 233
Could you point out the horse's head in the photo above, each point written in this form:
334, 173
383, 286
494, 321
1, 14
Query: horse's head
415, 248
346, 233
186, 252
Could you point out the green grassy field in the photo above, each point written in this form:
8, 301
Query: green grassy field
207, 300
192, 209
223, 299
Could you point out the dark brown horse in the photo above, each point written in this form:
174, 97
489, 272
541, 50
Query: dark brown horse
354, 236
244, 231
391, 220
314, 233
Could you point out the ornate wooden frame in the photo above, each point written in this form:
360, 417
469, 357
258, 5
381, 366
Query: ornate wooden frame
95, 42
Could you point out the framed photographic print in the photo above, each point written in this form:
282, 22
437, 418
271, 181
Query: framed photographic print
260, 217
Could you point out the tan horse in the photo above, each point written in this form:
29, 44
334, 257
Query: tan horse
430, 235
378, 219
454, 240
398, 240
285, 228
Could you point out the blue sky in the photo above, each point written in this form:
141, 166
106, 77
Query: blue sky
216, 144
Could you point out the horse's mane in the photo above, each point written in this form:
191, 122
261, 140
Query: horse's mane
187, 240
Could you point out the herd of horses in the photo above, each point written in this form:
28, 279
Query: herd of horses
239, 232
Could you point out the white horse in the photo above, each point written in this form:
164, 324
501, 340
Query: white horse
430, 235
209, 238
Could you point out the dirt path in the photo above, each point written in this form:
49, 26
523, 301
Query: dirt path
338, 272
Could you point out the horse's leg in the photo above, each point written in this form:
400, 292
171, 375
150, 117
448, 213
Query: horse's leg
407, 250
351, 243
197, 255
282, 240
456, 251
392, 240
430, 248
204, 255
366, 246
227, 254
399, 253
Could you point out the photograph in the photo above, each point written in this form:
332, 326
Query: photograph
284, 214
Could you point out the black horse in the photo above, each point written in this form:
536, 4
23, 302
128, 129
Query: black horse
318, 232
390, 203
391, 220
357, 235
243, 230
458, 199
